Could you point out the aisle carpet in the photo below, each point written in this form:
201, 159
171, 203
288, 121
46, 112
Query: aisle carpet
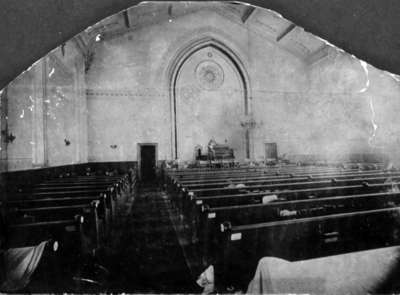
148, 257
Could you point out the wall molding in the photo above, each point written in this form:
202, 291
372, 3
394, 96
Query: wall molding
145, 92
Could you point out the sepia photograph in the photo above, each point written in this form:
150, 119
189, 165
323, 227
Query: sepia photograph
200, 147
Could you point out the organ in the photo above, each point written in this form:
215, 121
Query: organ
217, 155
221, 153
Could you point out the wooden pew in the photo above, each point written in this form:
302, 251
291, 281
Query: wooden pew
205, 177
284, 179
294, 185
233, 176
110, 197
299, 239
78, 186
253, 172
74, 187
212, 219
280, 184
189, 205
67, 231
64, 200
90, 211
174, 184
116, 185
326, 194
52, 205
216, 170
121, 182
276, 175
118, 178
305, 178
240, 178
188, 174
281, 178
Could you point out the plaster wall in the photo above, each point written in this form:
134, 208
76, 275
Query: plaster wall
305, 107
129, 97
45, 109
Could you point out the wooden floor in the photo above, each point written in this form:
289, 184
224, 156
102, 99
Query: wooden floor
148, 257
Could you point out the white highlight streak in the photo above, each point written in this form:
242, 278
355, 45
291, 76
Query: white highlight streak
374, 125
51, 72
365, 67
395, 77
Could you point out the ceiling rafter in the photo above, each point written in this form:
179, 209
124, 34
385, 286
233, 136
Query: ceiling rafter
126, 19
289, 29
247, 13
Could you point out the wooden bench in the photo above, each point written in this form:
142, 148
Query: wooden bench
293, 213
121, 182
289, 175
98, 200
282, 180
299, 239
244, 195
293, 185
189, 204
255, 168
76, 210
205, 176
67, 231
285, 179
211, 220
90, 212
109, 196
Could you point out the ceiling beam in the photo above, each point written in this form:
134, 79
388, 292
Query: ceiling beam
247, 13
366, 28
80, 44
319, 54
285, 32
126, 19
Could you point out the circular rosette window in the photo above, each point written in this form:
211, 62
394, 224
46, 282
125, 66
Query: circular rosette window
210, 75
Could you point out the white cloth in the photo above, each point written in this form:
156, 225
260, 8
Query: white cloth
285, 213
269, 198
353, 273
206, 280
20, 264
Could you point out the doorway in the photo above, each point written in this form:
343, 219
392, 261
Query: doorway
147, 161
271, 151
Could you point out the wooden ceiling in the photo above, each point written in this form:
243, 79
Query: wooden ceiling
368, 29
263, 22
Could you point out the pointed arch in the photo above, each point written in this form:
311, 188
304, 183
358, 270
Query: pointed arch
179, 60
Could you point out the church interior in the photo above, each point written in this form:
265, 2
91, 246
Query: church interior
200, 147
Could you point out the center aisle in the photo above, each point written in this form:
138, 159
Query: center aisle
148, 256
